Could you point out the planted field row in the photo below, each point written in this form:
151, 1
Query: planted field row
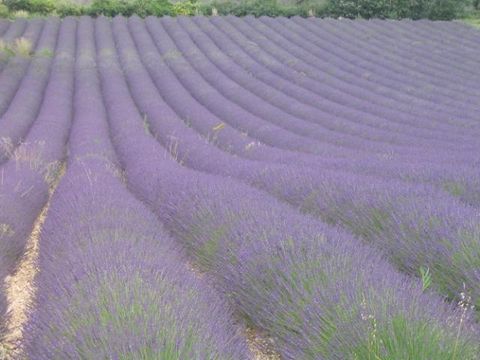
113, 277
365, 205
31, 167
314, 180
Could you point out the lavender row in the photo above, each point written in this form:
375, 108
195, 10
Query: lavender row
375, 69
25, 105
223, 52
441, 57
389, 69
177, 56
236, 56
194, 81
269, 43
13, 31
337, 62
460, 181
198, 115
17, 66
253, 114
244, 90
112, 283
372, 97
428, 59
337, 115
317, 290
26, 177
201, 115
423, 62
455, 180
199, 118
4, 25
345, 67
447, 31
335, 76
453, 33
385, 212
410, 233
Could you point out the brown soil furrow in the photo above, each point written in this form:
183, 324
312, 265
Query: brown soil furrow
20, 285
260, 345
21, 293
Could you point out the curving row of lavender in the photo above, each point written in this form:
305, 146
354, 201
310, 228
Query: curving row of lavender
461, 180
365, 205
112, 283
310, 169
316, 289
10, 33
26, 97
33, 166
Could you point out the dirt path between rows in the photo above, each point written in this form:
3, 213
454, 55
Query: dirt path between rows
260, 345
19, 286
21, 295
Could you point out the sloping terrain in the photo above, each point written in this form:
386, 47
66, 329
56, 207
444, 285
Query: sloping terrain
239, 188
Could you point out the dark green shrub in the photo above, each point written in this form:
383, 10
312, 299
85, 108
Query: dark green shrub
264, 8
15, 5
111, 7
42, 6
358, 8
141, 8
70, 9
446, 10
156, 8
397, 9
4, 13
33, 6
247, 7
190, 7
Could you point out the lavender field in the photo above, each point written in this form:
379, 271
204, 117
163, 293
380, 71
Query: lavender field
239, 188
